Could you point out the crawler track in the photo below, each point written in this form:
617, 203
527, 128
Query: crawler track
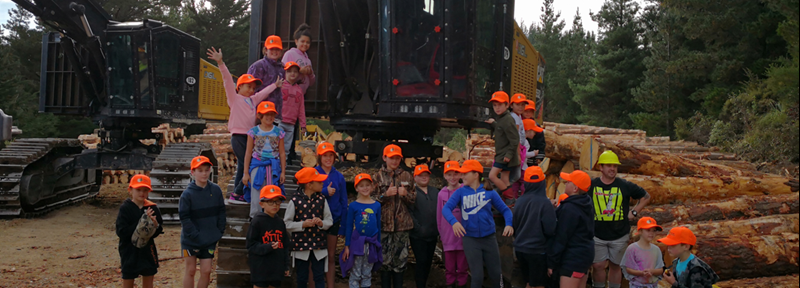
171, 174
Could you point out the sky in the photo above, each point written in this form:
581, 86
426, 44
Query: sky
5, 5
528, 11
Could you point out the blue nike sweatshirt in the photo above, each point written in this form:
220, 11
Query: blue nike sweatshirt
476, 213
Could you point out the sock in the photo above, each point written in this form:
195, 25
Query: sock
599, 285
612, 285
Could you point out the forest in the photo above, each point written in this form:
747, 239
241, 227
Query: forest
722, 73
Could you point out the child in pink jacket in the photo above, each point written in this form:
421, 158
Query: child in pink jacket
454, 260
299, 54
294, 107
242, 100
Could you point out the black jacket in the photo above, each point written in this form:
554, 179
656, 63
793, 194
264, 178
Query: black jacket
573, 245
202, 213
267, 264
534, 220
134, 259
423, 213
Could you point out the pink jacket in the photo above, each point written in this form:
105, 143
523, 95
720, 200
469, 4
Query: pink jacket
243, 109
294, 103
450, 241
301, 58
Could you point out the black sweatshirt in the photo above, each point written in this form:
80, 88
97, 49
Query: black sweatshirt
267, 264
573, 245
423, 213
135, 260
534, 220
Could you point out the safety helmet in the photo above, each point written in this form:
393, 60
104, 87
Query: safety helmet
608, 157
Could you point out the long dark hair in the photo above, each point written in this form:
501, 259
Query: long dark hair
303, 30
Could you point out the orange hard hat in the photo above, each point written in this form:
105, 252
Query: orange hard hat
273, 42
247, 78
200, 160
679, 235
533, 174
140, 181
500, 97
579, 178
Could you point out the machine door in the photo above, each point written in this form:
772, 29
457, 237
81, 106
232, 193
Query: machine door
417, 46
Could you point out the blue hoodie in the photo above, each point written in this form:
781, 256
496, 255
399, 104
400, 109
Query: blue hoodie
202, 213
478, 220
338, 202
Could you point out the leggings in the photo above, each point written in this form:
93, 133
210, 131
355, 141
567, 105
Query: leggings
239, 145
483, 252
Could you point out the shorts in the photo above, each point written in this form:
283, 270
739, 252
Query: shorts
144, 273
207, 253
612, 250
502, 166
534, 269
265, 284
573, 274
334, 230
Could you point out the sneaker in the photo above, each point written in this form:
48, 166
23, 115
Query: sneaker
236, 199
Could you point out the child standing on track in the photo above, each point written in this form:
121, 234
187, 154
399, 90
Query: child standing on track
138, 224
294, 107
537, 143
270, 70
362, 230
267, 161
506, 144
394, 190
572, 251
268, 241
478, 230
242, 100
302, 218
202, 212
689, 271
424, 235
642, 263
535, 224
455, 263
335, 192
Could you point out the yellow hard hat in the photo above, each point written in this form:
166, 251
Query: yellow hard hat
608, 157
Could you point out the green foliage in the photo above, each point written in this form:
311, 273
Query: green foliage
455, 139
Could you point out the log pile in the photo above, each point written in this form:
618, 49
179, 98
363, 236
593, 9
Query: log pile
120, 176
217, 134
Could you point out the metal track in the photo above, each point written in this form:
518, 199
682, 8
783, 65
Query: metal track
37, 175
171, 174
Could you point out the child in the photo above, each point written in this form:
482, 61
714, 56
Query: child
393, 189
267, 241
480, 243
309, 246
455, 263
138, 224
506, 145
267, 161
535, 223
531, 130
335, 192
202, 213
537, 143
642, 264
690, 271
270, 69
424, 235
518, 104
294, 107
242, 100
299, 54
572, 251
363, 233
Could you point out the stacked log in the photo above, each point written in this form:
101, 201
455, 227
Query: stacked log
220, 139
120, 176
787, 281
734, 208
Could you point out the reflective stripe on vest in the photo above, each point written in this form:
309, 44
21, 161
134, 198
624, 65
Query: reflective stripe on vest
607, 204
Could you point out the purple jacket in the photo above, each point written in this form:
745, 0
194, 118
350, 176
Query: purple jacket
268, 71
357, 242
450, 242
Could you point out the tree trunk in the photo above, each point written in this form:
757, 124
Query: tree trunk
739, 207
673, 190
750, 256
563, 147
767, 225
787, 281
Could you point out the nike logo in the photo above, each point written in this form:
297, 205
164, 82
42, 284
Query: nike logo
476, 202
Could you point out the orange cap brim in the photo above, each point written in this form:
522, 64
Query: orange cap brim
650, 226
363, 179
270, 197
325, 150
392, 154
669, 241
140, 185
320, 178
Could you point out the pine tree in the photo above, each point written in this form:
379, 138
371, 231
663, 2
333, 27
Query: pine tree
572, 69
222, 24
606, 100
546, 37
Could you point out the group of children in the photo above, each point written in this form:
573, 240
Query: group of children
394, 209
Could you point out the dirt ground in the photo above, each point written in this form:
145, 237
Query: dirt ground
76, 246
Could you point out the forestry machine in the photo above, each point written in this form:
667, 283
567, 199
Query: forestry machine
128, 77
